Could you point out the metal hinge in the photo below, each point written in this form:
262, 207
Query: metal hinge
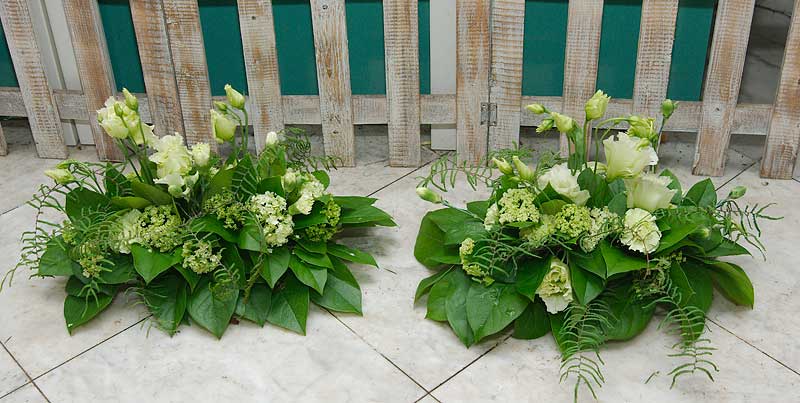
489, 113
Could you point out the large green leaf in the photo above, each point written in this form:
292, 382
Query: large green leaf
677, 232
244, 182
55, 260
530, 275
116, 184
592, 262
353, 202
351, 254
428, 282
149, 263
290, 306
256, 306
314, 277
312, 246
478, 208
437, 299
153, 193
733, 283
213, 225
316, 259
323, 177
219, 182
702, 194
78, 288
596, 185
212, 310
490, 309
727, 248
456, 306
429, 248
631, 316
342, 293
618, 204
618, 261
120, 270
191, 277
166, 299
81, 201
700, 280
273, 265
317, 216
585, 285
233, 260
533, 323
79, 310
251, 237
366, 215
130, 202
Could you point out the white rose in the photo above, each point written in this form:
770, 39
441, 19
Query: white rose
201, 153
649, 191
640, 232
171, 156
109, 120
556, 288
627, 157
564, 183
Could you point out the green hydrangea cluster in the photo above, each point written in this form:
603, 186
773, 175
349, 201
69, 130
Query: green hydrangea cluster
90, 255
537, 236
69, 233
325, 231
573, 220
227, 209
604, 223
160, 228
270, 211
517, 205
472, 269
199, 256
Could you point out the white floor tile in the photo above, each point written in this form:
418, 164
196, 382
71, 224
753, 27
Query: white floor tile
25, 394
11, 375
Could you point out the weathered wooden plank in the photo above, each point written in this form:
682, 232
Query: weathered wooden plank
3, 145
333, 77
505, 89
723, 79
783, 134
191, 71
261, 63
401, 33
37, 96
473, 61
94, 67
654, 57
159, 75
584, 21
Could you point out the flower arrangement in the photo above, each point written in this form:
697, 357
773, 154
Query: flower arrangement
587, 251
199, 239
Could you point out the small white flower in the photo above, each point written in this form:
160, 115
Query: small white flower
492, 217
627, 156
649, 191
564, 183
556, 287
640, 232
273, 138
270, 211
111, 122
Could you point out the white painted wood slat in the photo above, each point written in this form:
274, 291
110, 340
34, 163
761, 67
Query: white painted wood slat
473, 61
505, 84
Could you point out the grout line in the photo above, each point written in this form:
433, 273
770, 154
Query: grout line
737, 175
469, 364
30, 380
754, 346
427, 395
12, 209
400, 178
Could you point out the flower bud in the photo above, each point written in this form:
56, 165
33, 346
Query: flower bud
643, 128
113, 125
272, 138
668, 107
536, 108
222, 127
546, 125
564, 123
596, 105
130, 100
221, 106
737, 192
291, 180
703, 232
503, 166
525, 172
118, 109
201, 154
60, 175
428, 195
235, 98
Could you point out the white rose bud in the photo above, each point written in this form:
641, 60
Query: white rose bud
130, 100
60, 175
564, 183
272, 138
596, 105
111, 122
668, 108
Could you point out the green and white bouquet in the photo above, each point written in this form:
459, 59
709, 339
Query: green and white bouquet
200, 239
585, 250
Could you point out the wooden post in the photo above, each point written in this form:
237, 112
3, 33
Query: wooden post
261, 62
723, 79
505, 84
191, 72
473, 57
159, 75
584, 22
333, 76
94, 67
783, 134
36, 94
3, 145
401, 32
656, 36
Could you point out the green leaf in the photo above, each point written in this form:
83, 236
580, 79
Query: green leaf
700, 281
244, 182
212, 311
596, 185
430, 249
592, 262
342, 293
79, 310
251, 237
290, 306
232, 259
456, 306
478, 208
353, 202
274, 265
468, 229
191, 277
116, 184
212, 225
617, 261
315, 217
311, 246
149, 263
219, 182
366, 215
313, 277
530, 275
351, 254
490, 309
316, 259
55, 260
130, 202
438, 298
78, 288
428, 282
631, 315
675, 184
153, 193
702, 194
121, 270
273, 184
677, 232
733, 283
323, 177
166, 299
552, 207
681, 282
727, 248
81, 200
585, 285
256, 308
618, 204
533, 323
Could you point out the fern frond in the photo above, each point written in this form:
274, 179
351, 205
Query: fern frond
583, 332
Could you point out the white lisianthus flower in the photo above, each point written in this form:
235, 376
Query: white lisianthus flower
649, 192
174, 182
171, 156
640, 232
492, 217
273, 138
62, 176
111, 122
556, 287
564, 183
595, 107
627, 156
144, 135
128, 231
201, 154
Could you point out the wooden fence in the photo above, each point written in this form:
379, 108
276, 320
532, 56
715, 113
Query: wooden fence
487, 109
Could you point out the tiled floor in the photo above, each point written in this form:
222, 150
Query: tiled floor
391, 353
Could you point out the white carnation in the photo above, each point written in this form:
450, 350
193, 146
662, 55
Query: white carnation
564, 183
556, 288
649, 191
640, 232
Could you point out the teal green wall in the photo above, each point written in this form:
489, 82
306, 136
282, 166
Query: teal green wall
7, 76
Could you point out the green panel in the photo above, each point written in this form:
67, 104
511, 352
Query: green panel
8, 78
295, 44
121, 39
619, 41
222, 38
545, 37
690, 49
